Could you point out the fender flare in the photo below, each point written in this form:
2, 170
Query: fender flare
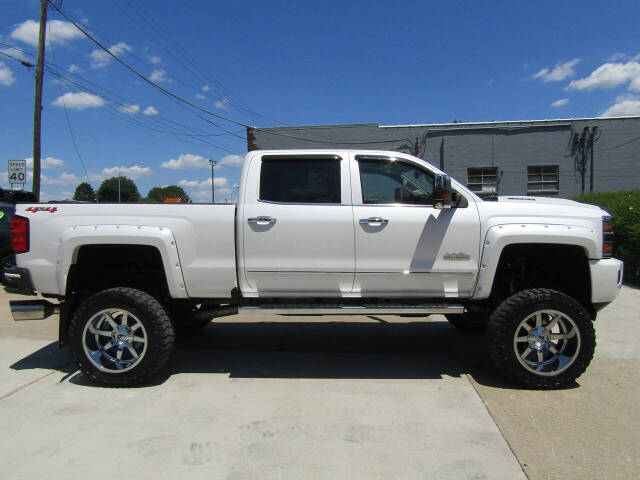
162, 238
499, 236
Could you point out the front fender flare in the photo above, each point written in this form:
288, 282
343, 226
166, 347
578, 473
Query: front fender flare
499, 236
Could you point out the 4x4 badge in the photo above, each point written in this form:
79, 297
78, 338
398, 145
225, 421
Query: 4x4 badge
42, 209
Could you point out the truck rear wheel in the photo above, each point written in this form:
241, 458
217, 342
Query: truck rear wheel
120, 337
541, 338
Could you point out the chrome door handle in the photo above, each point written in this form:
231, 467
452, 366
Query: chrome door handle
262, 220
375, 221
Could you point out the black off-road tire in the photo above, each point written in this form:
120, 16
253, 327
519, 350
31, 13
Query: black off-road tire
469, 322
504, 321
156, 322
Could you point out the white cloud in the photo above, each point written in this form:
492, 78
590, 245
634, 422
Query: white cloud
199, 96
201, 190
159, 76
131, 109
100, 58
46, 163
189, 183
222, 105
155, 59
206, 88
78, 100
63, 179
6, 75
150, 111
73, 68
218, 182
60, 31
624, 106
560, 103
610, 75
186, 161
189, 161
232, 161
623, 57
132, 172
560, 72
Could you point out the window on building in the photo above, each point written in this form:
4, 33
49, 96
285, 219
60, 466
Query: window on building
542, 179
300, 180
483, 180
386, 181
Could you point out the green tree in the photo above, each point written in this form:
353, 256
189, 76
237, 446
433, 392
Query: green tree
156, 193
108, 191
84, 193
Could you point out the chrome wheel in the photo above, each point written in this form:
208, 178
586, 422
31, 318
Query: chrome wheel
114, 340
547, 342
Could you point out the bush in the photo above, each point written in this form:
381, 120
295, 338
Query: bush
624, 206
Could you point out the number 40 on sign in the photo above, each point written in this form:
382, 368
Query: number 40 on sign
17, 171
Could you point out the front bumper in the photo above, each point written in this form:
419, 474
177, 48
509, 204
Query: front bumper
18, 280
606, 279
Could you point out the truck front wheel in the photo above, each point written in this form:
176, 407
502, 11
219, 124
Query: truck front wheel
120, 337
541, 338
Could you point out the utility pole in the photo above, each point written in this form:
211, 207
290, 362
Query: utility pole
37, 109
213, 164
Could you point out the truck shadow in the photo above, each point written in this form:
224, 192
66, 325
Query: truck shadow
381, 350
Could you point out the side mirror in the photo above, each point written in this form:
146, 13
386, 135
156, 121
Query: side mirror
442, 191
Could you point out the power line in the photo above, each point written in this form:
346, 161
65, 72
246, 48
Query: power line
198, 107
66, 112
143, 77
165, 35
23, 62
180, 130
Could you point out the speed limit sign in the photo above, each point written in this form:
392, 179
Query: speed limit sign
17, 171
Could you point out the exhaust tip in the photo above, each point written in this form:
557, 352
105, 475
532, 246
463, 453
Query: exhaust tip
32, 309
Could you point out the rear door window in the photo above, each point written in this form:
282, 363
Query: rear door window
300, 180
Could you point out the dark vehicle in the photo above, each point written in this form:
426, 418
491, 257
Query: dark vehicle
7, 258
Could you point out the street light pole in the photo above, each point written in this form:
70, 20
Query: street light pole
120, 175
213, 164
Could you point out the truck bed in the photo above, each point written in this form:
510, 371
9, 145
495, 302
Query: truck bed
199, 241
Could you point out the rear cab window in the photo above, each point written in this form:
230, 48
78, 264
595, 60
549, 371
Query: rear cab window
303, 179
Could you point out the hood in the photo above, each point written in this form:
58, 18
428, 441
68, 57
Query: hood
530, 203
539, 200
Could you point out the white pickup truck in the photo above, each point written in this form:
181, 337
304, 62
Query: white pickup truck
321, 232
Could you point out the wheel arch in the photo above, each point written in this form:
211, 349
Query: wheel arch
569, 246
78, 242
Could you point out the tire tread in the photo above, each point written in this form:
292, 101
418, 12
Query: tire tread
500, 340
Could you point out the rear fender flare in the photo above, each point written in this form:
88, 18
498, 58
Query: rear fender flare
162, 238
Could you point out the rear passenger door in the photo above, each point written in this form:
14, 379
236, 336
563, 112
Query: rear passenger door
297, 225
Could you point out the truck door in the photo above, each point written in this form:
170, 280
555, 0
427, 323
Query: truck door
405, 246
297, 226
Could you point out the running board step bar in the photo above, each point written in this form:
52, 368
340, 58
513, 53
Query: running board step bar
352, 309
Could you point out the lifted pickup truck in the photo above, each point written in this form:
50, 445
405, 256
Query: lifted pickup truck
321, 232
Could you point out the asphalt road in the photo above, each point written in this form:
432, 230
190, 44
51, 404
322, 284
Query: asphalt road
326, 397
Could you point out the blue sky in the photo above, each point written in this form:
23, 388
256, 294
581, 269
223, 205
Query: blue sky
297, 63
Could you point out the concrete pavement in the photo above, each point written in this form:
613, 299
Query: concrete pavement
359, 397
